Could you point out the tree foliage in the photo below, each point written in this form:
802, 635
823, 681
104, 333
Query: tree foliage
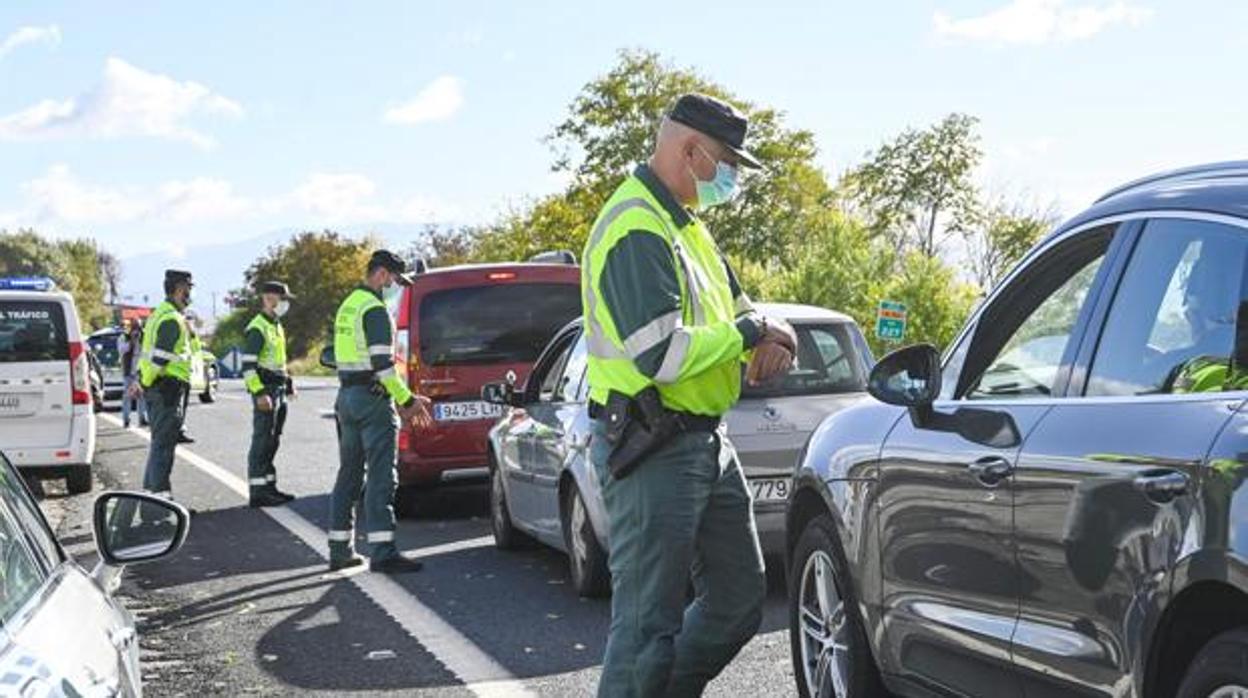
73, 264
917, 189
320, 268
1004, 237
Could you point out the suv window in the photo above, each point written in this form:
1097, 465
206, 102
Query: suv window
829, 361
1022, 338
1172, 327
32, 331
505, 323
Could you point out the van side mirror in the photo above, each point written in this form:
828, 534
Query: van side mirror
131, 527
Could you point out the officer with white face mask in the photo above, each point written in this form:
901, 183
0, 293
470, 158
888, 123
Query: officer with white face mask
266, 378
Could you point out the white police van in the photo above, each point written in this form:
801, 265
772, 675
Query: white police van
47, 426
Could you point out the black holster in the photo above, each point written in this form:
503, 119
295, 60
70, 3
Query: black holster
636, 427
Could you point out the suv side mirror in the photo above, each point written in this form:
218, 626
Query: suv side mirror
499, 393
131, 527
908, 377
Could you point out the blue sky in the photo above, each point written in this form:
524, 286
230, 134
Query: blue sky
165, 125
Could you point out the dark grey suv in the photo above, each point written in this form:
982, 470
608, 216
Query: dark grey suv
1055, 507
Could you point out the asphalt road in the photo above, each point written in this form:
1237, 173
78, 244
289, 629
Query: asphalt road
248, 608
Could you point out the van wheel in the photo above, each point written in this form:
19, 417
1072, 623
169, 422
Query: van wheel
586, 558
78, 479
1220, 670
506, 536
831, 656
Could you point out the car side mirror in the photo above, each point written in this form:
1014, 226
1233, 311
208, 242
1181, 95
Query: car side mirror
908, 377
132, 528
499, 393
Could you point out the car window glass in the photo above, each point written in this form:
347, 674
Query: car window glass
1021, 340
827, 362
24, 509
32, 331
504, 323
20, 574
547, 374
1173, 325
568, 387
107, 349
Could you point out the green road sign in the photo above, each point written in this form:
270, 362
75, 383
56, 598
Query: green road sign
890, 321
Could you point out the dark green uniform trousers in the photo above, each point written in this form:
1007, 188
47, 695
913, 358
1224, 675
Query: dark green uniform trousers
368, 434
266, 437
166, 410
685, 510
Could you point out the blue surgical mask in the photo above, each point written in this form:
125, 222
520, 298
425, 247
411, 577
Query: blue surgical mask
721, 189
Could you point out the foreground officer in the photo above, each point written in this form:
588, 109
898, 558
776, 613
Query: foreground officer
165, 378
266, 378
368, 425
667, 327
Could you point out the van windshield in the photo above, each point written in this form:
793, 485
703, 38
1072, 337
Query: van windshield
32, 331
106, 349
504, 323
829, 360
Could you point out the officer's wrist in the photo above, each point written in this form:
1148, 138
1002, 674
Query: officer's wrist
411, 399
752, 328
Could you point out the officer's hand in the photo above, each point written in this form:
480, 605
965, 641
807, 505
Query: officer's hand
770, 360
135, 391
291, 392
781, 333
264, 403
419, 413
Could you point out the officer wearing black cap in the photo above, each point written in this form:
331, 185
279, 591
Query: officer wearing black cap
266, 378
668, 327
368, 421
165, 377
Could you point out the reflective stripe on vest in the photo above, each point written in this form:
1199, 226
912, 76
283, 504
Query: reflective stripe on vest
272, 356
351, 349
660, 328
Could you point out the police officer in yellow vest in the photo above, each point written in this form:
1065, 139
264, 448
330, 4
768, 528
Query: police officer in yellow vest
266, 378
668, 328
165, 377
368, 423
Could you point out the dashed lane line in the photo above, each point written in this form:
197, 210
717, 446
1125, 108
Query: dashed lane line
479, 671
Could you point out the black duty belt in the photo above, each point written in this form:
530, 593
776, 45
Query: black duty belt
685, 420
271, 378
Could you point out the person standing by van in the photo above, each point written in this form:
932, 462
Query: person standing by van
129, 346
165, 378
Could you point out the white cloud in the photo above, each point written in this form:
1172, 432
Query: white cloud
129, 101
337, 198
438, 101
60, 196
1041, 21
200, 199
50, 35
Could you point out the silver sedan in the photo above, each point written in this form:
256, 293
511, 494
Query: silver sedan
541, 485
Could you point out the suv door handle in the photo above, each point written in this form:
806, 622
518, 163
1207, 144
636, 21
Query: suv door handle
1162, 486
991, 470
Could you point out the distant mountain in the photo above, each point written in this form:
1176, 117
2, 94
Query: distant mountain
218, 268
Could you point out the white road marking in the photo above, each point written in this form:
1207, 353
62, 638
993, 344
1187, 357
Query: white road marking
460, 655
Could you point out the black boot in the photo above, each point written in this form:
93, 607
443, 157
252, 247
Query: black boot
396, 564
265, 498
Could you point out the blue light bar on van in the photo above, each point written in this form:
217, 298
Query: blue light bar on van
27, 283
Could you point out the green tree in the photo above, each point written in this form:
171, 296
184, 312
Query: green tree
320, 268
442, 246
26, 253
937, 303
229, 331
610, 128
88, 284
1003, 238
916, 190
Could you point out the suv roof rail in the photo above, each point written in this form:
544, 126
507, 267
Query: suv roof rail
1214, 170
554, 257
419, 265
27, 283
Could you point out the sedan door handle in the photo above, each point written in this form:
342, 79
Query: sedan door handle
1162, 486
991, 470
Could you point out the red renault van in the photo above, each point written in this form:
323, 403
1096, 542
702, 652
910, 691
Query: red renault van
462, 327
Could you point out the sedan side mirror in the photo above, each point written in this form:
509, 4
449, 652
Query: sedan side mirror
131, 527
908, 377
499, 393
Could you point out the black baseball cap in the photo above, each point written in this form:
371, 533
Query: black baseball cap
177, 276
393, 263
717, 119
278, 287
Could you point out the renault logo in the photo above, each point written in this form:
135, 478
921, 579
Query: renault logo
771, 414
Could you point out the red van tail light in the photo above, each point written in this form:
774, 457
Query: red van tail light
79, 374
405, 439
501, 275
